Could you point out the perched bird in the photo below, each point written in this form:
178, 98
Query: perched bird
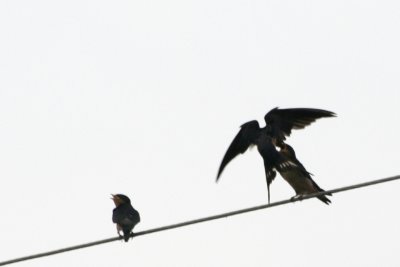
298, 177
124, 215
279, 124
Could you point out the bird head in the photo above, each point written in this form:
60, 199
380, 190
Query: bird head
120, 199
288, 150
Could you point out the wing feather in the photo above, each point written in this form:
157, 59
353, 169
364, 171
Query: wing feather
246, 136
283, 121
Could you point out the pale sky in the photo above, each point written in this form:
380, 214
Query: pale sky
144, 97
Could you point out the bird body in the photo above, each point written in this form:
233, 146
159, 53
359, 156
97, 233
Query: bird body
298, 177
124, 215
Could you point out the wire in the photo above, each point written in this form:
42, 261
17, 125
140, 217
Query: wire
205, 219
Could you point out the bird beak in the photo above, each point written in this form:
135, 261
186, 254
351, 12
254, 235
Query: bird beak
112, 196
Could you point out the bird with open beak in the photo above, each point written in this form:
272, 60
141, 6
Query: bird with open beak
298, 177
124, 215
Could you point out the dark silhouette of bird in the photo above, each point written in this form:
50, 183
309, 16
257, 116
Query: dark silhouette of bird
298, 177
279, 124
124, 215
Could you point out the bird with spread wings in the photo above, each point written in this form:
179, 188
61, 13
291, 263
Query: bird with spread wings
279, 125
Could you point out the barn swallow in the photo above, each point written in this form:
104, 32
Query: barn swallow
124, 215
298, 177
279, 124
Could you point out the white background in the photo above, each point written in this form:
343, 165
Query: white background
144, 97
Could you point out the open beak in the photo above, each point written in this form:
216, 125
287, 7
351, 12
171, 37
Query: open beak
116, 199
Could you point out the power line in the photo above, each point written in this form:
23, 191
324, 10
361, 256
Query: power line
205, 219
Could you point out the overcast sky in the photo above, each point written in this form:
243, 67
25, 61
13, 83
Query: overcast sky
144, 97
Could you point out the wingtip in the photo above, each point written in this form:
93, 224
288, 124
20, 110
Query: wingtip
324, 112
332, 114
324, 199
218, 175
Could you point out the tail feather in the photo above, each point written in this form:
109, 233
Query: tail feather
127, 235
324, 199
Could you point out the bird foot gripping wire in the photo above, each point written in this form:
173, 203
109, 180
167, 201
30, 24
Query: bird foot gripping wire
297, 197
121, 237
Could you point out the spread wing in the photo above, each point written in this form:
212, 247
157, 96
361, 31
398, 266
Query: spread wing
246, 136
282, 121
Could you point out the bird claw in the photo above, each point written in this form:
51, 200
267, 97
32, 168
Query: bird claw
297, 197
119, 235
